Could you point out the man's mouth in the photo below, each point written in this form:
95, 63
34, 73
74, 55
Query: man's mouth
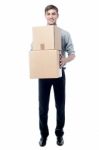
51, 19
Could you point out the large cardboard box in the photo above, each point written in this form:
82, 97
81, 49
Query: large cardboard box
44, 64
46, 37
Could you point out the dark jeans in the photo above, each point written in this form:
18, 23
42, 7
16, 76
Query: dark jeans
44, 95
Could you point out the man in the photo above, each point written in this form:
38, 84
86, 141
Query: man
51, 15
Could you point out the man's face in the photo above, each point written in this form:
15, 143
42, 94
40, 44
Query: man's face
51, 16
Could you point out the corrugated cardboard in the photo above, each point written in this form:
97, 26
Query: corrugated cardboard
44, 64
47, 37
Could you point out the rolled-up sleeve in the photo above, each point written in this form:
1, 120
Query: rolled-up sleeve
69, 47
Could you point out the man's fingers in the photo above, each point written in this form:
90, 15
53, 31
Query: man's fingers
60, 63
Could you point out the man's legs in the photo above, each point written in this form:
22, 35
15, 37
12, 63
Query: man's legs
59, 91
44, 93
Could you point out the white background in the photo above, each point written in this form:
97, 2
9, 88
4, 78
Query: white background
19, 95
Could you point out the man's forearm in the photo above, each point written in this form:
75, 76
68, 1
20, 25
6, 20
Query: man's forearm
69, 58
64, 60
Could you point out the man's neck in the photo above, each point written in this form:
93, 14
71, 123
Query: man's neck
52, 24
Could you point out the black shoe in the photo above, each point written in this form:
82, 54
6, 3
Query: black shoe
42, 141
60, 141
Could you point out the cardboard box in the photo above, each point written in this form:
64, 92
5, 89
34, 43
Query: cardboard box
46, 37
44, 64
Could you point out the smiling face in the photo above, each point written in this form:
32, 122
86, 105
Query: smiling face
51, 16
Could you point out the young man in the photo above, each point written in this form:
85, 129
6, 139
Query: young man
51, 15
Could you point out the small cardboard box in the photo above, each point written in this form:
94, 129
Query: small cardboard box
46, 37
44, 64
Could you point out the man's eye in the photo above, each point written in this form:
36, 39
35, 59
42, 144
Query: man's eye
53, 13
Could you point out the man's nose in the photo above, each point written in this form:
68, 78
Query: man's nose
51, 16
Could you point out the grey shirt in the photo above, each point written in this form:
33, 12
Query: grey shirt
67, 45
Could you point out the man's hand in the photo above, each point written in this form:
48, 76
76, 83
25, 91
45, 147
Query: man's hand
64, 60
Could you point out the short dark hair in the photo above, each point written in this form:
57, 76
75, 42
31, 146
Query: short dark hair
47, 8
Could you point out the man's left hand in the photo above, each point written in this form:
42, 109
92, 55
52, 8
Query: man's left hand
62, 61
